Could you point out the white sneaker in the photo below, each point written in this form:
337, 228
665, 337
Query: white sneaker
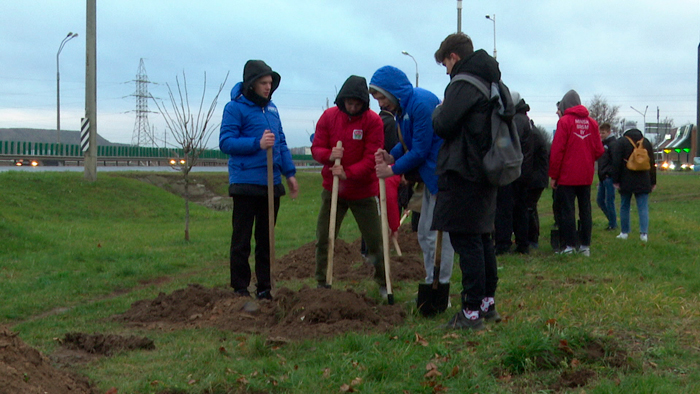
585, 250
568, 250
622, 236
643, 237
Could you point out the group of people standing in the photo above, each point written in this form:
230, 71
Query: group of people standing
418, 137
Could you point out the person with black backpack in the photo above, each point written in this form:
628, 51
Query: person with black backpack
466, 199
511, 203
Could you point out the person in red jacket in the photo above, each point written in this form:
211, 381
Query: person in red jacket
362, 132
575, 148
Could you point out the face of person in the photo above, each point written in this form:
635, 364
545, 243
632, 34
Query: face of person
263, 85
559, 114
449, 62
353, 106
604, 134
384, 102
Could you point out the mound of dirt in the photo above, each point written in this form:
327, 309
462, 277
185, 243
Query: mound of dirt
348, 263
25, 370
308, 313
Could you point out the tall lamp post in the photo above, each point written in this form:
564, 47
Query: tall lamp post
69, 37
644, 115
459, 16
414, 61
492, 18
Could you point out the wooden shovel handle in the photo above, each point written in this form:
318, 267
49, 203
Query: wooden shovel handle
331, 223
385, 239
438, 259
271, 205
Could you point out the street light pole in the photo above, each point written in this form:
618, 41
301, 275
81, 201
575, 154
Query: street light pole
644, 115
69, 37
459, 16
492, 18
414, 61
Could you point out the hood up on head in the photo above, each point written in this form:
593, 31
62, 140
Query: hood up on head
571, 99
253, 70
393, 83
354, 87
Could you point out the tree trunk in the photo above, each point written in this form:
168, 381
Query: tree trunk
187, 206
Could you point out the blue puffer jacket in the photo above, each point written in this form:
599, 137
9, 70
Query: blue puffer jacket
242, 127
416, 124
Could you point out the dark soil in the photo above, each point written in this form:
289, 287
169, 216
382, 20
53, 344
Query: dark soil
27, 371
308, 313
105, 344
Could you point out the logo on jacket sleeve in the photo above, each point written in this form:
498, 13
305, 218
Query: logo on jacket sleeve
357, 134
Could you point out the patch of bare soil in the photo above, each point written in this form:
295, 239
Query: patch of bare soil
308, 313
105, 344
25, 370
348, 263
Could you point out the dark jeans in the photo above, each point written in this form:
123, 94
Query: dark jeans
246, 211
533, 232
477, 261
606, 201
566, 197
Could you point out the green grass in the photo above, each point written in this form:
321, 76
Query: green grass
74, 253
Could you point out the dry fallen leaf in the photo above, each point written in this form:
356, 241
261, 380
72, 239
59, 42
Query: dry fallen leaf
356, 381
420, 340
191, 382
432, 374
430, 366
564, 346
455, 371
575, 363
242, 380
346, 389
551, 322
326, 372
113, 390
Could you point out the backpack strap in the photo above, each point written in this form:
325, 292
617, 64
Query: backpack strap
479, 83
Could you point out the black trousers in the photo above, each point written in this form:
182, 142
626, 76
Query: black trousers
566, 197
512, 217
246, 211
533, 216
477, 260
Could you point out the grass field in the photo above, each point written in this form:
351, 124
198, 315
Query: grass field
625, 320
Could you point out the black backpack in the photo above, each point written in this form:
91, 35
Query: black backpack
502, 162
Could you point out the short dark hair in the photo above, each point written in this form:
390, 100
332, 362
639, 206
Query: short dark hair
605, 126
458, 43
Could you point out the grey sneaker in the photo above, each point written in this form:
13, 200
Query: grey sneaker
383, 293
585, 250
460, 322
490, 315
643, 237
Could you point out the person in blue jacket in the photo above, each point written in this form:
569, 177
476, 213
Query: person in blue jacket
417, 151
250, 125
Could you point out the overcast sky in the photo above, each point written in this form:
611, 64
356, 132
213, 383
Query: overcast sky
634, 53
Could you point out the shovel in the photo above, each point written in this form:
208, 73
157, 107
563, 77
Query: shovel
331, 224
434, 297
385, 240
271, 206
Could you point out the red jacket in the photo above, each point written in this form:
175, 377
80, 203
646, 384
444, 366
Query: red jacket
362, 135
575, 148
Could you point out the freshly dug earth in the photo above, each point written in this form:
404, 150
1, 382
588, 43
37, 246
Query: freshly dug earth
27, 371
308, 313
348, 263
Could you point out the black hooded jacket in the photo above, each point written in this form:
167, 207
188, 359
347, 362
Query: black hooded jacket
464, 119
253, 70
466, 201
522, 124
354, 87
